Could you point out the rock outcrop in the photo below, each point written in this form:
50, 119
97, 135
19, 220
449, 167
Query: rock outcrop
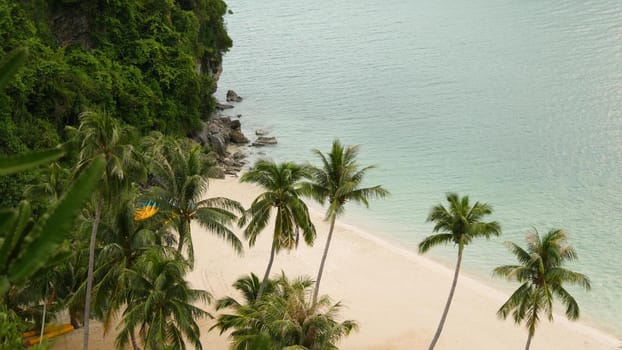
223, 106
218, 133
232, 96
263, 141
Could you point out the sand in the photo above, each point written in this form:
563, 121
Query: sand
396, 295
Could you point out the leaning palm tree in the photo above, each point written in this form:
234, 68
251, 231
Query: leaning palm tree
460, 223
542, 277
338, 181
160, 304
101, 135
281, 183
180, 173
283, 319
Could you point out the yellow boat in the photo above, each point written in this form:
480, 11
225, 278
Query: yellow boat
33, 337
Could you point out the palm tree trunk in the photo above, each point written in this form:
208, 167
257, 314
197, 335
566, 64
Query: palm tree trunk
316, 291
267, 274
528, 341
45, 304
186, 238
451, 295
180, 243
133, 340
89, 276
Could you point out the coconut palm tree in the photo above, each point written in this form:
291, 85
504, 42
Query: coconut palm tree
459, 224
281, 183
339, 181
123, 241
50, 185
180, 174
101, 135
542, 278
160, 304
283, 319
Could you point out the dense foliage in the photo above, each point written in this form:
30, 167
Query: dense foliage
149, 63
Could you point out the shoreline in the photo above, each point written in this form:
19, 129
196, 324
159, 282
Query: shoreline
396, 295
350, 274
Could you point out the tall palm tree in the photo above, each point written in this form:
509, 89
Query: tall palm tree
460, 223
281, 183
180, 173
99, 134
123, 242
160, 304
283, 319
339, 181
542, 278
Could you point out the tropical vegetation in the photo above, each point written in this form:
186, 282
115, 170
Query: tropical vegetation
180, 173
459, 223
338, 181
542, 278
151, 64
283, 318
282, 196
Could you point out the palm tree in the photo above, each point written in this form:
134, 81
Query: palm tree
283, 318
339, 181
50, 185
460, 224
542, 277
123, 241
101, 135
180, 173
160, 304
282, 184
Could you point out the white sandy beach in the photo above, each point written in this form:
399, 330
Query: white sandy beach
396, 295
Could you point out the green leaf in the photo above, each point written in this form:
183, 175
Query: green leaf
48, 234
11, 64
4, 285
14, 164
15, 226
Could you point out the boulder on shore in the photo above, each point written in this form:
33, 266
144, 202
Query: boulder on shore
232, 96
237, 136
263, 141
223, 106
219, 131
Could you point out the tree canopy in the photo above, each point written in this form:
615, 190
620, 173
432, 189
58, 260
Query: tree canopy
149, 63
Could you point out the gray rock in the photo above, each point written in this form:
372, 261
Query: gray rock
235, 124
228, 162
238, 137
218, 142
261, 132
239, 155
263, 141
232, 96
223, 106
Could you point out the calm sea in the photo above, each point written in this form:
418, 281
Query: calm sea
515, 103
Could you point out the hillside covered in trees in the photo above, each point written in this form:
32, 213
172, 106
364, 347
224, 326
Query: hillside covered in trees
152, 64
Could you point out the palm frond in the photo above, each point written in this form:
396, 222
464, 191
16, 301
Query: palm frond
434, 240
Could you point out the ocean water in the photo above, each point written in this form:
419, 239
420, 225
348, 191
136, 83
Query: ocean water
515, 103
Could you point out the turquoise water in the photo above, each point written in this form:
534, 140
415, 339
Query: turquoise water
516, 103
